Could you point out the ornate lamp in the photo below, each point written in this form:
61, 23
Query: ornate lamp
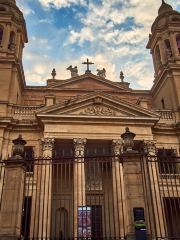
19, 144
128, 138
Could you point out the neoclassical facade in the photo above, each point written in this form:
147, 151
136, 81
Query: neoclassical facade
85, 116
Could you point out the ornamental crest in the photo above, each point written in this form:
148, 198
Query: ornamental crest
98, 110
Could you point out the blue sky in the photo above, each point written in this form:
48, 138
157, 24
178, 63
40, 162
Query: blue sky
111, 33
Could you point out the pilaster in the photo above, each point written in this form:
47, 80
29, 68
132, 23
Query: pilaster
162, 50
6, 36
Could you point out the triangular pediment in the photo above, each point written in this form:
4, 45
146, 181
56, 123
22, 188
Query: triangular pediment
90, 82
97, 104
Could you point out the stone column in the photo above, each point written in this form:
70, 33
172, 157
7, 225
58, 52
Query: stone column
6, 36
118, 189
79, 179
173, 43
13, 192
18, 42
162, 50
46, 189
155, 201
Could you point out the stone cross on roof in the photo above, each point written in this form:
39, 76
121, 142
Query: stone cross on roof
88, 63
53, 73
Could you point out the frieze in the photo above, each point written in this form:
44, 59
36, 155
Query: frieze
98, 110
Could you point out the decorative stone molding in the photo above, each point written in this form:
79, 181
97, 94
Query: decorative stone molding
98, 100
159, 39
48, 144
98, 110
79, 146
149, 147
117, 146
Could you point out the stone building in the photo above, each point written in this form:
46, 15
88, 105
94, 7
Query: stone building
79, 178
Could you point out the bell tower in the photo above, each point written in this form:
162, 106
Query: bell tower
13, 36
164, 44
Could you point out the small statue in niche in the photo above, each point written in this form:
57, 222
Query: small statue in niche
101, 73
74, 71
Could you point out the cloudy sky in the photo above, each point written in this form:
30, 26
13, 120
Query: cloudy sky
111, 33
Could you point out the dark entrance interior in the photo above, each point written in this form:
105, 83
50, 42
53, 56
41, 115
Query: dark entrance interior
26, 217
172, 209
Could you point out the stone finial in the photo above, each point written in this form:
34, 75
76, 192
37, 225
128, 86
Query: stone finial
79, 146
128, 138
122, 76
117, 146
149, 146
53, 73
47, 144
101, 73
19, 144
74, 71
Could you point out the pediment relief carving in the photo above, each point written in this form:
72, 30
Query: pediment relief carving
98, 110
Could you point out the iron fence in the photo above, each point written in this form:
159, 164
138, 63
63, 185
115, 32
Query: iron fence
161, 176
74, 198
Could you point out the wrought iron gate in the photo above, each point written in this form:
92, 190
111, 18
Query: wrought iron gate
161, 176
69, 198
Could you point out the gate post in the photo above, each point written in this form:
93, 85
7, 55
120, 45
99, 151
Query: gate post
133, 184
13, 191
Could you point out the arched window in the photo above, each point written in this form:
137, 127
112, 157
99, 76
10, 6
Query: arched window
1, 34
158, 56
168, 48
178, 42
11, 40
2, 9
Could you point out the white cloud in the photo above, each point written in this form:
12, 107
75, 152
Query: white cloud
24, 7
61, 3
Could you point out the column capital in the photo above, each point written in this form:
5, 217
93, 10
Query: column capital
47, 144
8, 24
159, 39
117, 146
149, 146
79, 146
19, 31
170, 32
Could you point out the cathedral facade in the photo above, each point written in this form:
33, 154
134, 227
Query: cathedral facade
95, 159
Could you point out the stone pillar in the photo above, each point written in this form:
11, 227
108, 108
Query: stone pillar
18, 42
155, 201
13, 192
173, 43
79, 179
162, 50
46, 189
118, 189
134, 196
50, 99
6, 36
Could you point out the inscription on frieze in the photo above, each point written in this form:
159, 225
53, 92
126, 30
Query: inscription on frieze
98, 110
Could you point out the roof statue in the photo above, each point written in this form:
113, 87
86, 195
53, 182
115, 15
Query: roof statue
53, 73
88, 63
164, 8
122, 76
101, 73
74, 71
